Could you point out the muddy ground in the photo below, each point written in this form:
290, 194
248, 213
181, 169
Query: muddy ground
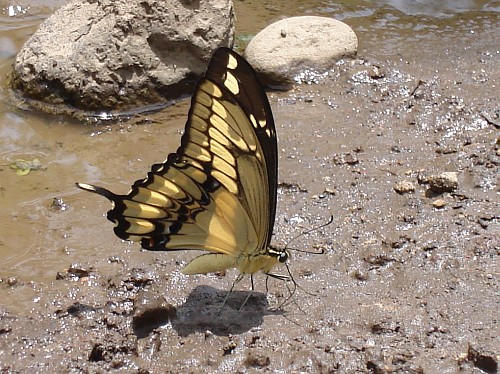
408, 283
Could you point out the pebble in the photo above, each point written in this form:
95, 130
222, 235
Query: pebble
403, 187
444, 182
439, 203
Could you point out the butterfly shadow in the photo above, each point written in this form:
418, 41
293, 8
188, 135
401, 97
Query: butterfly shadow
204, 310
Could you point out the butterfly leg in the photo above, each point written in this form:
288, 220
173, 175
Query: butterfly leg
249, 294
278, 276
236, 281
283, 278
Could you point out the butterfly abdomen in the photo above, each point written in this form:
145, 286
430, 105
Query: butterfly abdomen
251, 264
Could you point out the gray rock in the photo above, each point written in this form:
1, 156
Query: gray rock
109, 54
286, 48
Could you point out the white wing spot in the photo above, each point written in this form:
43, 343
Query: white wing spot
231, 83
253, 120
213, 90
232, 63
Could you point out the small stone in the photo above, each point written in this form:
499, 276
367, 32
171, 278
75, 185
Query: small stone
483, 223
376, 72
229, 347
329, 192
396, 149
351, 158
444, 182
483, 358
58, 204
12, 281
360, 275
78, 271
430, 246
257, 360
403, 187
439, 203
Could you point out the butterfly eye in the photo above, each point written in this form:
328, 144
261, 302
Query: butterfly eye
283, 257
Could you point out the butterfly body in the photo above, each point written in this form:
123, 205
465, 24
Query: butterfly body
217, 193
246, 264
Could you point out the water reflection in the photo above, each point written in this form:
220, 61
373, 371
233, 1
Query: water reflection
15, 10
345, 9
432, 7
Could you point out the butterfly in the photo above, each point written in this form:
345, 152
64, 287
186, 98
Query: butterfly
217, 193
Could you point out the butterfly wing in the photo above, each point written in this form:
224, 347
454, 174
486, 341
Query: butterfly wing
218, 191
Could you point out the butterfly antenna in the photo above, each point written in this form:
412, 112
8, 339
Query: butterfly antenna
291, 292
322, 251
290, 276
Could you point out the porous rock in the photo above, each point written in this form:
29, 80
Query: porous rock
109, 54
403, 187
444, 182
286, 48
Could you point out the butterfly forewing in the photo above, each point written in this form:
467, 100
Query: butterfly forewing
218, 191
242, 81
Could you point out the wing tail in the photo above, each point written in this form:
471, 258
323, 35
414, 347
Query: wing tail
98, 190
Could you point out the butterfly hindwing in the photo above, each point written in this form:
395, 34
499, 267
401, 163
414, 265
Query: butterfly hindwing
218, 191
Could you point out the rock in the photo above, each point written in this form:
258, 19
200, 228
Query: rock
12, 281
444, 182
78, 271
484, 359
287, 47
403, 187
229, 347
151, 311
360, 274
109, 54
349, 158
376, 72
439, 203
257, 359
